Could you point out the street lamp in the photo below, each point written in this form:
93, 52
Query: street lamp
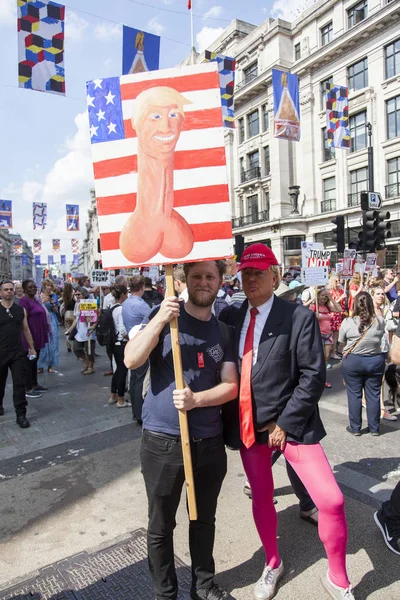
294, 192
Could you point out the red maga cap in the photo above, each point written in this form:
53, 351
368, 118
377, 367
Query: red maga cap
257, 256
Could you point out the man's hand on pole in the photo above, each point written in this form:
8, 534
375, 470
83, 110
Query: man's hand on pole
169, 309
184, 399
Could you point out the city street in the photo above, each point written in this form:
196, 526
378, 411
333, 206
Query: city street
71, 485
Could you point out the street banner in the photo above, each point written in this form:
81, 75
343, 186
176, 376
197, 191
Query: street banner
370, 263
56, 246
88, 308
24, 260
140, 51
160, 167
72, 211
337, 116
37, 260
75, 259
349, 258
6, 214
50, 259
39, 215
100, 278
226, 70
286, 105
41, 46
37, 247
63, 259
16, 246
74, 246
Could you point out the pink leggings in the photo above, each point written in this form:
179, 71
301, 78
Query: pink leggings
311, 465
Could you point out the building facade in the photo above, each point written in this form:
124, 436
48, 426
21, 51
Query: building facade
21, 265
90, 256
349, 43
5, 264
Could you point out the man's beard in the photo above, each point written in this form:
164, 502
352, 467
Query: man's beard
204, 301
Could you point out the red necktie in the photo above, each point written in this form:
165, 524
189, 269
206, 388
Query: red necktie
247, 434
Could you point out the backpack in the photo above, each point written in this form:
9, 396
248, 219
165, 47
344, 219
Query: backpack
105, 328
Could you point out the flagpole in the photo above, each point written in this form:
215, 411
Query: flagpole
192, 31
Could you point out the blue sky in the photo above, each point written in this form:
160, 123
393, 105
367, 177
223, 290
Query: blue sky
45, 149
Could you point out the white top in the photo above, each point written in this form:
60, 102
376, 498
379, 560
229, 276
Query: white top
108, 301
118, 322
184, 295
81, 326
261, 319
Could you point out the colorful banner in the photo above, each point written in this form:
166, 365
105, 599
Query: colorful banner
41, 46
140, 51
50, 259
128, 144
72, 217
74, 246
337, 116
5, 214
37, 260
226, 70
24, 260
39, 215
286, 105
56, 246
16, 246
37, 247
63, 259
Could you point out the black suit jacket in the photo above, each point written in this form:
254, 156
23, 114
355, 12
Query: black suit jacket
289, 376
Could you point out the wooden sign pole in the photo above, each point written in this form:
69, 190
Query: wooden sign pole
183, 420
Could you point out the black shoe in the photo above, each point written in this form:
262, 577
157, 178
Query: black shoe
392, 539
23, 422
350, 430
33, 394
212, 593
1, 411
69, 350
40, 389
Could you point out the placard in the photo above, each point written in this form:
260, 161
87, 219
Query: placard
349, 258
370, 263
315, 276
100, 278
88, 308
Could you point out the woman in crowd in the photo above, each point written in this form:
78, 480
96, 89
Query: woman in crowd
355, 287
49, 356
118, 382
338, 295
82, 332
67, 309
18, 292
327, 307
38, 325
363, 363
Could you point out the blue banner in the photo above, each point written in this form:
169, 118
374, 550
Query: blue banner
37, 260
140, 51
63, 259
5, 214
50, 260
72, 217
75, 259
24, 260
286, 105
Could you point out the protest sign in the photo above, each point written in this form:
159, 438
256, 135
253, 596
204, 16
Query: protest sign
100, 278
349, 258
370, 263
88, 308
315, 262
339, 268
315, 276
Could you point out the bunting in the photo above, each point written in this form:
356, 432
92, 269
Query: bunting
56, 246
39, 215
37, 247
75, 246
5, 214
337, 116
16, 246
226, 70
72, 217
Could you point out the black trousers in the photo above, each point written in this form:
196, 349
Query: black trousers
31, 371
118, 381
391, 510
162, 468
16, 362
136, 390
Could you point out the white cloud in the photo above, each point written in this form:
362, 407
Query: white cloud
290, 10
75, 26
214, 11
207, 36
108, 31
8, 12
155, 27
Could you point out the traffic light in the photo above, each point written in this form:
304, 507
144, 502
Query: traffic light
368, 233
338, 233
239, 247
382, 229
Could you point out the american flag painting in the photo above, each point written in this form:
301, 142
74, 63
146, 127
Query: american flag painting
160, 167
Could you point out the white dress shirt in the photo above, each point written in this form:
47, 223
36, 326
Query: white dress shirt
261, 319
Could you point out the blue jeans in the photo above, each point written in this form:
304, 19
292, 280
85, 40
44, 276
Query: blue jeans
364, 372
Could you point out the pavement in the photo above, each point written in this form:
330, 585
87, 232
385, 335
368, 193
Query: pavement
71, 485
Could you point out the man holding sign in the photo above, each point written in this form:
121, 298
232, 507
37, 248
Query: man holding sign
211, 380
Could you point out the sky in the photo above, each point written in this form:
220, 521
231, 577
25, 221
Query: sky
44, 138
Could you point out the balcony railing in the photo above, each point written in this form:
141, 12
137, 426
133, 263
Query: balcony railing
251, 219
250, 77
253, 173
353, 200
392, 190
328, 205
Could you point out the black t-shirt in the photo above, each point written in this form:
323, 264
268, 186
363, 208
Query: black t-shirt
11, 328
203, 350
152, 297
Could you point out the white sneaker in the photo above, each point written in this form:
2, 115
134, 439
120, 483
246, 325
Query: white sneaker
266, 586
336, 592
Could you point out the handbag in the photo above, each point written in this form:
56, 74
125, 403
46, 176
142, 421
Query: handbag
395, 350
72, 334
345, 354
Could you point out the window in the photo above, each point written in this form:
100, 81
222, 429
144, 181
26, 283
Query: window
250, 72
252, 206
358, 184
393, 117
327, 34
323, 91
357, 75
357, 13
267, 162
358, 131
293, 242
241, 165
393, 178
254, 159
265, 117
297, 51
266, 200
241, 131
329, 192
392, 56
328, 151
253, 171
253, 124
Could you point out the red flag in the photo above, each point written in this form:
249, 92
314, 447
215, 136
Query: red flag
189, 4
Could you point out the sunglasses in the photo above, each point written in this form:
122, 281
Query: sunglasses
9, 314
